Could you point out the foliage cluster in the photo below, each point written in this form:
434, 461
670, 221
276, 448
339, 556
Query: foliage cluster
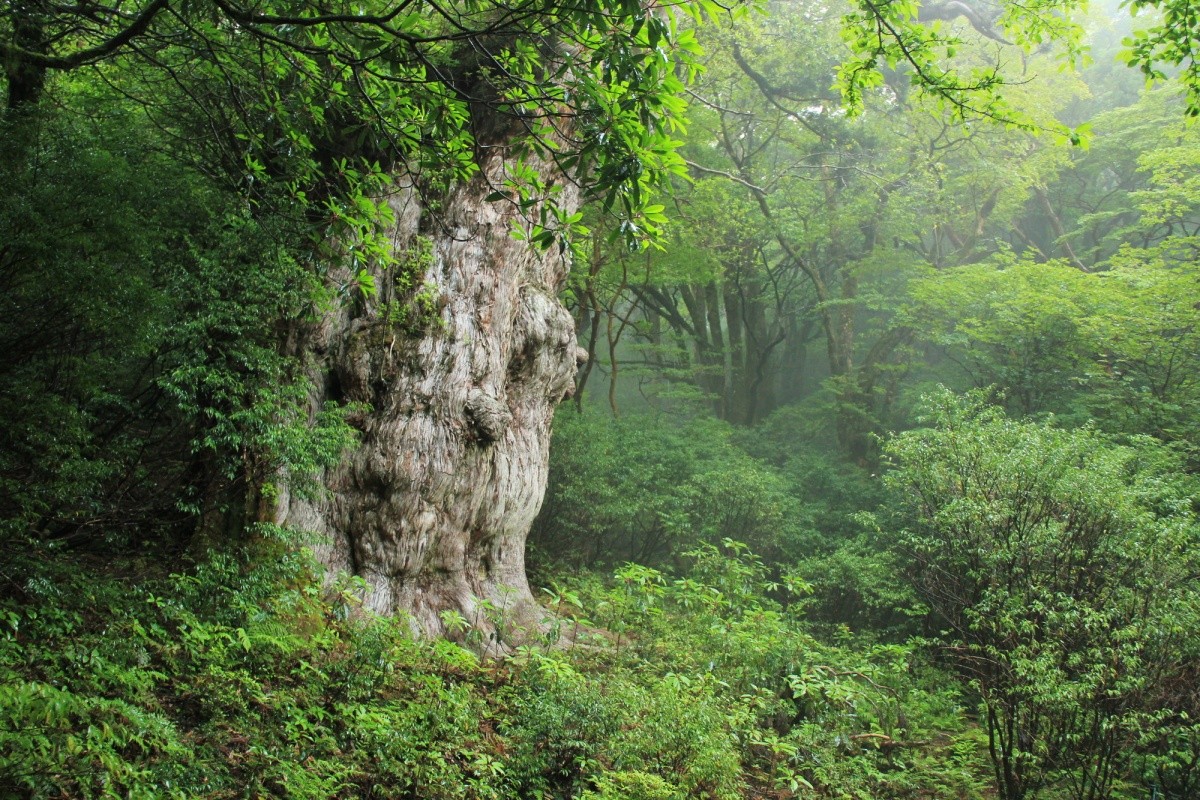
1117, 346
845, 264
1052, 568
143, 378
646, 489
649, 488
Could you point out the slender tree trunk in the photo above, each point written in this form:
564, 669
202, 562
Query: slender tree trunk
708, 354
434, 507
735, 362
1056, 225
593, 308
614, 339
720, 352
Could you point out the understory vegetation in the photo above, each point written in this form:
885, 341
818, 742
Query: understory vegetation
244, 677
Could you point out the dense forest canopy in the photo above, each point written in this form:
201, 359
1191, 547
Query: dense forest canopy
866, 332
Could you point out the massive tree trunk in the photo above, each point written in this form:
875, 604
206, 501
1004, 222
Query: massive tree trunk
434, 507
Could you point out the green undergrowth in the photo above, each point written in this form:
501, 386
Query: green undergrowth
244, 675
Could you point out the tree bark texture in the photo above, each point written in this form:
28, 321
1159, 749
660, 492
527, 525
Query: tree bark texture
433, 508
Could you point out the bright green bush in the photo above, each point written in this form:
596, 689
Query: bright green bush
633, 786
568, 729
647, 488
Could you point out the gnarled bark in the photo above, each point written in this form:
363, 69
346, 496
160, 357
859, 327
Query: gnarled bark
434, 507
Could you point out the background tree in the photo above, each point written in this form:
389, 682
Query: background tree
1017, 326
1050, 559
